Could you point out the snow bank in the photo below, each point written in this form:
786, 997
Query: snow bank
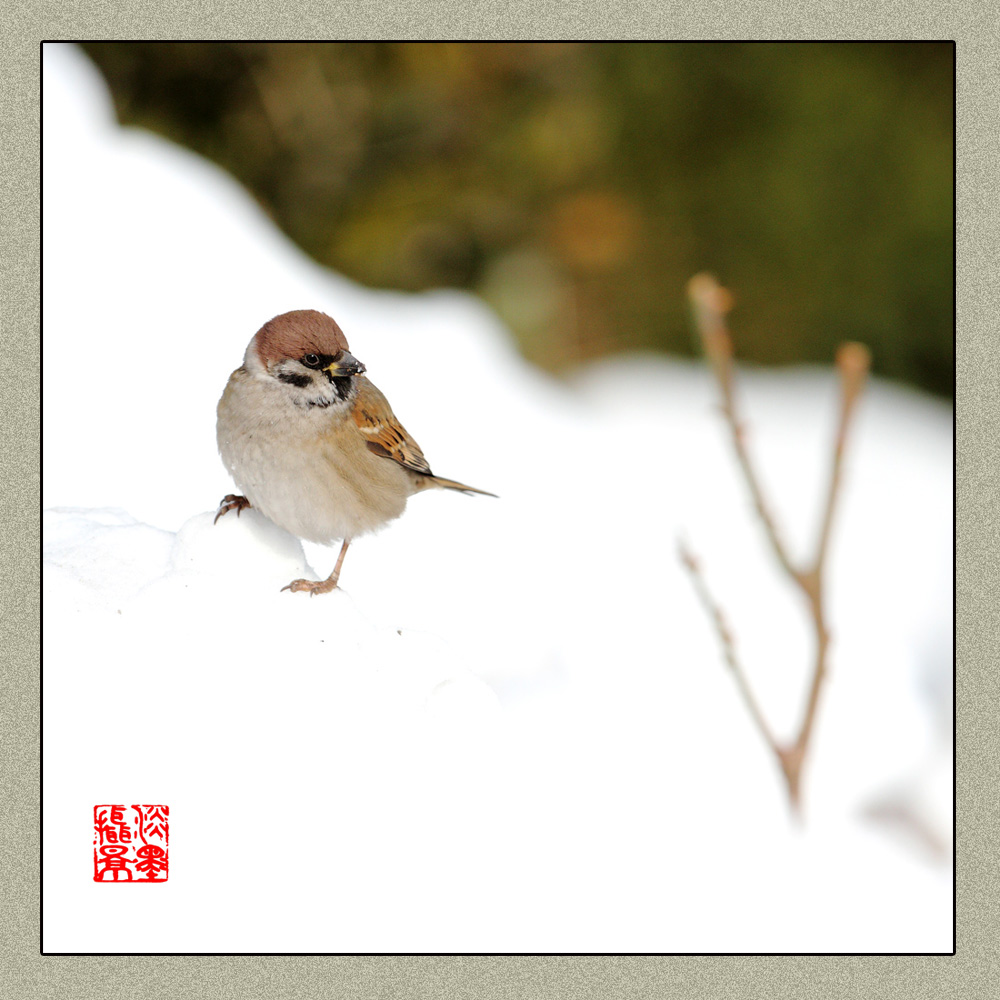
511, 730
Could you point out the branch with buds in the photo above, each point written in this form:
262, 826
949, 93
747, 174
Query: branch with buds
710, 302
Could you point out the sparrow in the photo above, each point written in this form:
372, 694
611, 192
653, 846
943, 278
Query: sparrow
312, 444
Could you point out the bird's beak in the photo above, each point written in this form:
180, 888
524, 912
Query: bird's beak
344, 364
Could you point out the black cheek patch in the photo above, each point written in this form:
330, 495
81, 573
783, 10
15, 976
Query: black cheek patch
342, 385
293, 378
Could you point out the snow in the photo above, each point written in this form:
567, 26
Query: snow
511, 730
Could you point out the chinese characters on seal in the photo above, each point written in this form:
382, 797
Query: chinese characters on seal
130, 843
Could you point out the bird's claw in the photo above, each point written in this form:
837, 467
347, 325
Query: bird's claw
231, 502
313, 586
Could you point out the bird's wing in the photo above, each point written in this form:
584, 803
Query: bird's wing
384, 434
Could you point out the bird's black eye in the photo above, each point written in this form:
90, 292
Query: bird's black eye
311, 361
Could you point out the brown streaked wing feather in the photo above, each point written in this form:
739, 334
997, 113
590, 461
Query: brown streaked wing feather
384, 434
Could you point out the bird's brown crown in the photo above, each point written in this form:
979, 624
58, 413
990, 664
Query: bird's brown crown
299, 332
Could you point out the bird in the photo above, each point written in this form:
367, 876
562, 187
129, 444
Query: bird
312, 443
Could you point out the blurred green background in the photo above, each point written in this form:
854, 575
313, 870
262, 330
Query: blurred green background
576, 187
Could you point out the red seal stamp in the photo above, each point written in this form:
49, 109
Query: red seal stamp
130, 843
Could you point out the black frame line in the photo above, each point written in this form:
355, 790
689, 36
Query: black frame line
405, 954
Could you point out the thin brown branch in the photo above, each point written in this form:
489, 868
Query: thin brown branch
726, 641
853, 362
815, 685
710, 302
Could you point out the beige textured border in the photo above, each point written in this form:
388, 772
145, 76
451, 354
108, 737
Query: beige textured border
24, 974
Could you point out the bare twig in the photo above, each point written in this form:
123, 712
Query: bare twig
853, 362
710, 303
728, 643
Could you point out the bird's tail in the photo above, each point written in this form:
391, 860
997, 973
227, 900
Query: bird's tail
450, 484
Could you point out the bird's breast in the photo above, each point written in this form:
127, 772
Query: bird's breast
307, 469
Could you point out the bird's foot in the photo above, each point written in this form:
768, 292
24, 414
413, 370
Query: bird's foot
313, 586
231, 502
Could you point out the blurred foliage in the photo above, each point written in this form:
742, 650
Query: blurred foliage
578, 186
